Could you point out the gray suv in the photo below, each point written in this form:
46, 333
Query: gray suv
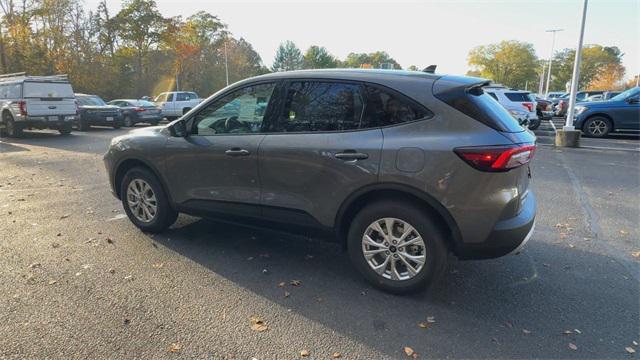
401, 168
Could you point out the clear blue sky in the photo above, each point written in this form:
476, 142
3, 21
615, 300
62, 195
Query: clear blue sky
419, 32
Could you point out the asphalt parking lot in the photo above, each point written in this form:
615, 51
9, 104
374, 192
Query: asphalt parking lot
80, 281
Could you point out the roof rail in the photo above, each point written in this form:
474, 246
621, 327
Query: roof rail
24, 76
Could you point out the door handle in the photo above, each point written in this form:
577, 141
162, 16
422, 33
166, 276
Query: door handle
348, 155
237, 152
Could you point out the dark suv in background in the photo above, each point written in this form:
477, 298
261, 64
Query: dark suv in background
400, 167
92, 110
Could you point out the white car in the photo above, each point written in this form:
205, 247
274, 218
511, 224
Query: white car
519, 103
176, 103
36, 102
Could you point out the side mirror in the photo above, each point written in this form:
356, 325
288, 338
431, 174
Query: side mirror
178, 129
633, 100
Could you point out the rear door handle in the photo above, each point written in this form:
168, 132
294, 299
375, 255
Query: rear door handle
237, 152
351, 155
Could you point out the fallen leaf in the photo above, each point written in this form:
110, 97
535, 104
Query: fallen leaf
573, 346
336, 355
623, 232
281, 284
630, 350
508, 324
431, 319
175, 347
577, 331
304, 353
112, 271
409, 351
257, 324
635, 343
157, 265
423, 325
129, 277
51, 282
295, 282
64, 216
526, 332
567, 332
35, 265
636, 254
286, 294
109, 240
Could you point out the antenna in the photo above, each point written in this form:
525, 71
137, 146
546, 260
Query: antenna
431, 69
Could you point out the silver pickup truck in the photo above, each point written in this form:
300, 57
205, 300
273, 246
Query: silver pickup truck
36, 102
176, 103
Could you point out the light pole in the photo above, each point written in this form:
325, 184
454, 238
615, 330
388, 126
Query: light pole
553, 44
226, 64
576, 73
541, 84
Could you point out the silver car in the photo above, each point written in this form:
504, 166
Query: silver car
400, 167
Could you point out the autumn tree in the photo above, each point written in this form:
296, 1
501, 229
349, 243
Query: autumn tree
596, 61
512, 63
288, 57
378, 60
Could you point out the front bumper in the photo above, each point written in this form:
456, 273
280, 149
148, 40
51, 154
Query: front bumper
507, 236
101, 119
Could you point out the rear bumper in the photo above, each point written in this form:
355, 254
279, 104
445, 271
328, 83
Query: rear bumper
507, 236
43, 122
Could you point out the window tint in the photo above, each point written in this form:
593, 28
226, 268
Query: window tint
518, 97
240, 112
385, 108
143, 103
320, 106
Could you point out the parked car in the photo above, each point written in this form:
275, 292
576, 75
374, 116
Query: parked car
555, 94
620, 113
544, 108
92, 110
452, 173
518, 103
176, 103
138, 111
36, 102
581, 96
604, 96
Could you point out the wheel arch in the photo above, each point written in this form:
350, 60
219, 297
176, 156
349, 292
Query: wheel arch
368, 194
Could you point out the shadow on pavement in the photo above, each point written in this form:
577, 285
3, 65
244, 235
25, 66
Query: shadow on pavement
95, 140
481, 308
6, 147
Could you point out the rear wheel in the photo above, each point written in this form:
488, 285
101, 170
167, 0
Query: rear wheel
145, 202
128, 122
597, 127
396, 246
534, 124
65, 129
117, 125
11, 128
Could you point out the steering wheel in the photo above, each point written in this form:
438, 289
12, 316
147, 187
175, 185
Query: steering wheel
232, 123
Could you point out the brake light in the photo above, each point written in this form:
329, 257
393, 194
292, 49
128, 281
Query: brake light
138, 109
497, 158
23, 107
529, 106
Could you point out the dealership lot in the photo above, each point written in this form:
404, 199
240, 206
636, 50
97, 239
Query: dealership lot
81, 281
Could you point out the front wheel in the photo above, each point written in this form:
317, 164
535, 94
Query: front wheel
128, 122
596, 127
396, 246
534, 124
65, 129
145, 202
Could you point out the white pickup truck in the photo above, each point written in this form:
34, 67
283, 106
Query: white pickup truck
176, 103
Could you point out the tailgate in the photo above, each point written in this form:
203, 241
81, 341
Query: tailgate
50, 106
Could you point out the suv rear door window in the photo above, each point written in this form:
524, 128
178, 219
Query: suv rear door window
518, 97
320, 106
385, 108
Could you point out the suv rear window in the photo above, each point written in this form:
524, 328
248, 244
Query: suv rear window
385, 108
47, 90
518, 97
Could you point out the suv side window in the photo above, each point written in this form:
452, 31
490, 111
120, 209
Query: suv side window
184, 96
240, 112
386, 108
320, 106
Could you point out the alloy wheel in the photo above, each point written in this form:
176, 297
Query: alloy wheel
597, 127
142, 200
394, 249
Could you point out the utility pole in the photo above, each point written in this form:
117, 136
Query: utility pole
553, 44
541, 84
226, 63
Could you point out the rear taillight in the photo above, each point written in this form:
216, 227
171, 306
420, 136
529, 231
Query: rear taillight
138, 109
23, 107
77, 107
529, 106
497, 158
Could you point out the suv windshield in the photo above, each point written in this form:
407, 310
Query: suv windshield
90, 101
625, 94
143, 103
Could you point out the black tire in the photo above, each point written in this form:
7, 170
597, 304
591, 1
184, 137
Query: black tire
65, 129
165, 215
128, 122
534, 124
117, 125
597, 127
435, 250
12, 129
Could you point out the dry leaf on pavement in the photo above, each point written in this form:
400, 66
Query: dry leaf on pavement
304, 352
630, 350
336, 355
282, 284
409, 351
257, 324
296, 282
175, 347
573, 346
423, 325
286, 294
636, 254
526, 332
431, 319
